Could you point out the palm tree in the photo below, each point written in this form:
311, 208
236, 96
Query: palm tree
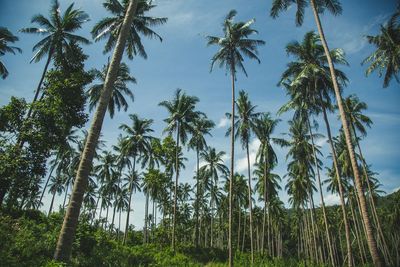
109, 28
182, 115
201, 126
133, 182
387, 53
333, 6
137, 143
264, 128
120, 89
56, 187
59, 30
6, 37
67, 234
232, 45
310, 89
214, 165
245, 123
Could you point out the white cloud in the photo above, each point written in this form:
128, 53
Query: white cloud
241, 163
332, 199
223, 122
396, 189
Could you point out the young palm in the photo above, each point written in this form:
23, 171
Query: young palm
245, 124
67, 234
138, 142
387, 53
120, 88
201, 127
333, 6
59, 31
232, 46
6, 37
109, 28
214, 165
56, 187
182, 115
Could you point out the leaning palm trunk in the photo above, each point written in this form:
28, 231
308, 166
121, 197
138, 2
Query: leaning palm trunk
370, 237
341, 193
232, 165
67, 234
130, 201
380, 235
328, 236
250, 204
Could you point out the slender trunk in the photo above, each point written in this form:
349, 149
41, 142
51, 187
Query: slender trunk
113, 218
146, 218
357, 234
370, 237
238, 232
231, 252
197, 198
176, 185
212, 213
265, 200
67, 234
341, 193
130, 200
119, 224
65, 196
244, 229
250, 203
52, 202
328, 236
95, 209
47, 182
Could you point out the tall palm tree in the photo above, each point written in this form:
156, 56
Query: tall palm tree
232, 46
59, 30
138, 142
310, 89
6, 37
109, 28
201, 126
182, 115
120, 88
245, 124
333, 6
133, 182
214, 165
387, 53
264, 128
67, 234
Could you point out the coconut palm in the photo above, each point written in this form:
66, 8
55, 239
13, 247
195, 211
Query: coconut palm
182, 115
67, 234
387, 53
232, 46
6, 37
120, 88
109, 28
213, 167
334, 7
245, 124
138, 142
56, 187
59, 31
201, 126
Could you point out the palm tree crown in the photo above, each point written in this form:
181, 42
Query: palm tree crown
6, 37
110, 27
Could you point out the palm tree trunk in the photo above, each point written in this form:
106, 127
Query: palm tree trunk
52, 202
341, 193
47, 182
380, 235
357, 234
231, 252
244, 229
113, 217
265, 201
196, 235
176, 185
67, 234
65, 196
328, 236
146, 217
238, 230
250, 203
130, 200
370, 237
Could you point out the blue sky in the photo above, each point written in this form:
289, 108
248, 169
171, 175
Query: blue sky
182, 60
